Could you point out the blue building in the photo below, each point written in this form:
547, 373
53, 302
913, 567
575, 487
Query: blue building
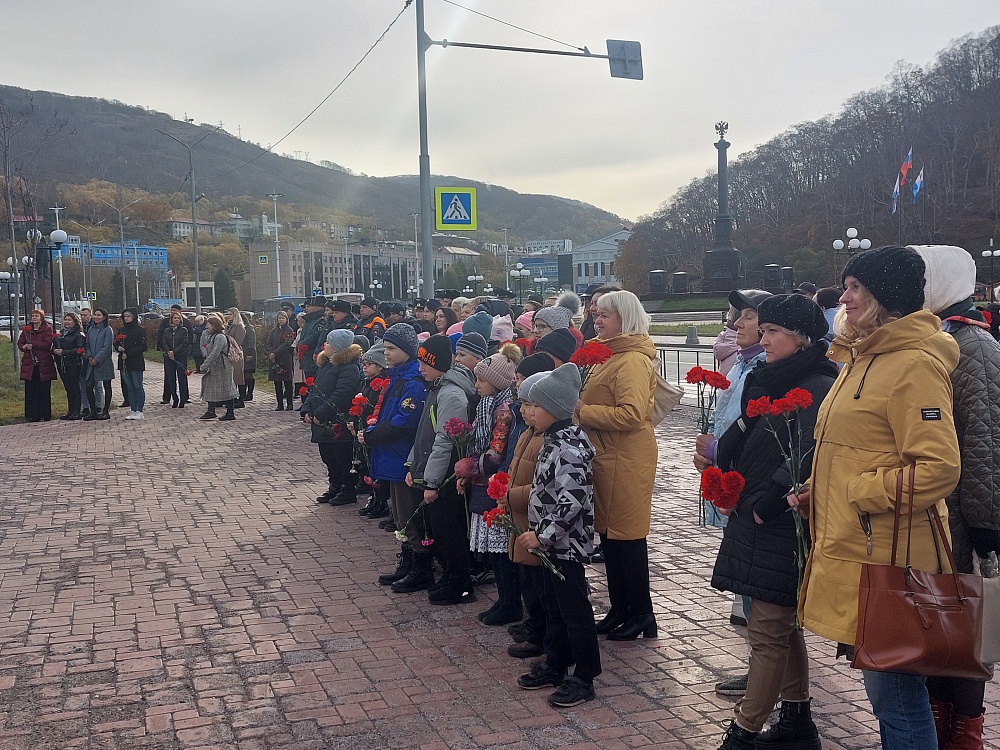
150, 261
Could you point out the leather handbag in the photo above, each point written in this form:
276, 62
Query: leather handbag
917, 622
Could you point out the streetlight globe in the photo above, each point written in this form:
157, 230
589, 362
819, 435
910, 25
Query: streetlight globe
854, 244
986, 254
58, 237
838, 244
519, 266
25, 260
866, 244
513, 273
852, 233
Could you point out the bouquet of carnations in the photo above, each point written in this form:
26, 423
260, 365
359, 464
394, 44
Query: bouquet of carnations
588, 356
709, 384
497, 489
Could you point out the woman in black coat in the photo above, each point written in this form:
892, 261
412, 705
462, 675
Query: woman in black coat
175, 341
758, 555
130, 343
68, 348
338, 381
279, 360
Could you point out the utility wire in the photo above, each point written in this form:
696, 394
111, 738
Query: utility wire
343, 80
519, 28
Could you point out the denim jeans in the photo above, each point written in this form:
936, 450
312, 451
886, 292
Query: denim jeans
136, 393
903, 710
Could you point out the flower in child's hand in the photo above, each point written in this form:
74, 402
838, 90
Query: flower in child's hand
456, 428
427, 542
498, 486
400, 536
303, 391
310, 381
80, 350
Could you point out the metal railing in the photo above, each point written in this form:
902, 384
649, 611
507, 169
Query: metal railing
676, 359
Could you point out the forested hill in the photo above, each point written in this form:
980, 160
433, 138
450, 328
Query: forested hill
794, 195
118, 143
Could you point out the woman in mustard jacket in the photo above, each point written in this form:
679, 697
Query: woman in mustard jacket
614, 409
890, 409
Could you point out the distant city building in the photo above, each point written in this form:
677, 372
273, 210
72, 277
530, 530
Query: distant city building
545, 266
336, 267
179, 226
145, 258
593, 263
540, 247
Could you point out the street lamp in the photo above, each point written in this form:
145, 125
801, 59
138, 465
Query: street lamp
194, 214
542, 281
488, 290
853, 243
121, 237
474, 280
375, 286
277, 259
506, 255
991, 254
58, 239
520, 273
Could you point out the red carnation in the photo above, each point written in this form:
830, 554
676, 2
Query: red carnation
120, 337
303, 350
717, 380
498, 485
696, 375
722, 489
759, 406
80, 350
732, 487
711, 483
799, 398
379, 384
188, 373
303, 391
356, 410
310, 381
592, 353
522, 343
456, 428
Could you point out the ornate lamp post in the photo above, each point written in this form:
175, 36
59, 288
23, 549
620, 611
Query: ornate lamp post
853, 243
474, 280
520, 273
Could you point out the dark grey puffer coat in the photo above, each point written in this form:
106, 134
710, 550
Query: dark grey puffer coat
975, 503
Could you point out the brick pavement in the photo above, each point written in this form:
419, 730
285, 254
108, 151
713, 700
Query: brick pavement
170, 583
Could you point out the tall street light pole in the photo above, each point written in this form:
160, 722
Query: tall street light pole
62, 282
277, 258
506, 253
194, 213
121, 238
426, 209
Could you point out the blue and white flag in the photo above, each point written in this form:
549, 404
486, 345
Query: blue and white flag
917, 184
895, 194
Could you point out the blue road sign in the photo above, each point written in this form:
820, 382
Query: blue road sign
455, 208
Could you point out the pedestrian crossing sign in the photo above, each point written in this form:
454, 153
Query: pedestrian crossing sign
455, 208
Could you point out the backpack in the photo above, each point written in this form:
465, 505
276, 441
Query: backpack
235, 350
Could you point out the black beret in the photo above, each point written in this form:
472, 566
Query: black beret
794, 312
894, 275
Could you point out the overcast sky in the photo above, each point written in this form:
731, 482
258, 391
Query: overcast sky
532, 123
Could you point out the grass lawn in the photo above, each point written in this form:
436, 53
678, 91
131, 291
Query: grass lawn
12, 389
695, 304
681, 329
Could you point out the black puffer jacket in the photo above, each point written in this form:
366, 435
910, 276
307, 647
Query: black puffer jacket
758, 559
134, 345
69, 341
337, 383
975, 503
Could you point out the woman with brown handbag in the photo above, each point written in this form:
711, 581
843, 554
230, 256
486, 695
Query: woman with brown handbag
890, 410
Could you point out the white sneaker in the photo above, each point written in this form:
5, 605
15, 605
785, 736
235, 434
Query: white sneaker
138, 415
131, 415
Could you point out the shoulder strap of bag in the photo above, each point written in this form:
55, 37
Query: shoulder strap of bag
896, 516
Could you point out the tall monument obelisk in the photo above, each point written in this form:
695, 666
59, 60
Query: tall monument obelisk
722, 262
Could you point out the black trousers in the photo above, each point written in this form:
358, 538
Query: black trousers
121, 382
175, 381
37, 397
570, 631
626, 563
449, 529
531, 594
283, 391
71, 382
337, 457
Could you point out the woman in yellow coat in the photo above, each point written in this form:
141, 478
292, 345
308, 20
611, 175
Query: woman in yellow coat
890, 409
614, 409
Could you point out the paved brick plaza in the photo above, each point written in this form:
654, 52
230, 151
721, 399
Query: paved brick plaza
170, 583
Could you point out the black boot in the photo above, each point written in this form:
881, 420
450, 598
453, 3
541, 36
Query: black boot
633, 627
405, 562
367, 507
346, 496
509, 607
453, 589
738, 738
795, 729
249, 386
613, 619
420, 577
331, 492
381, 509
228, 416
